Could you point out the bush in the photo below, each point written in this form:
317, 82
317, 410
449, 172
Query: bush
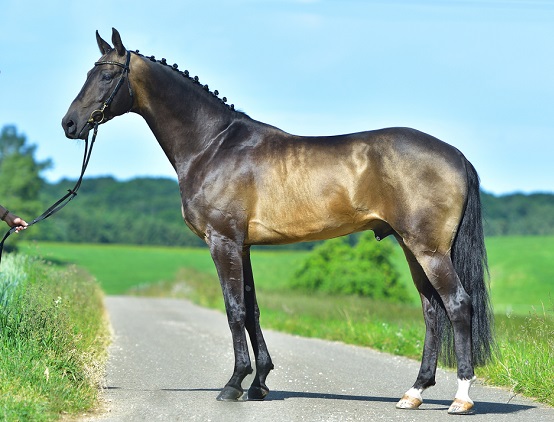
365, 269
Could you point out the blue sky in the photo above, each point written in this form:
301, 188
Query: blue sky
476, 74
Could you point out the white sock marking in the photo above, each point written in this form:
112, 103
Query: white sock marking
463, 389
415, 393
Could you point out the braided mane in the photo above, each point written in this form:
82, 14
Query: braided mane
186, 74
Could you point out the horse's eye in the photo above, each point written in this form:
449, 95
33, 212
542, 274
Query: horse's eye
106, 76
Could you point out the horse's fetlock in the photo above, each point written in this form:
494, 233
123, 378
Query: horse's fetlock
244, 370
266, 367
424, 384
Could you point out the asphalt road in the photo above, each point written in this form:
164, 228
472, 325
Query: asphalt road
170, 358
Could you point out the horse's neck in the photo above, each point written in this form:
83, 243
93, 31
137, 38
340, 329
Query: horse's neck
182, 116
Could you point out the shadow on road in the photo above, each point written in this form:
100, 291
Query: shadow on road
481, 407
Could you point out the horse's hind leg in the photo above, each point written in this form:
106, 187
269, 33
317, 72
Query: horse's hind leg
441, 274
258, 390
412, 399
227, 256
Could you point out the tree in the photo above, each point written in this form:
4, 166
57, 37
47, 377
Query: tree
20, 181
364, 269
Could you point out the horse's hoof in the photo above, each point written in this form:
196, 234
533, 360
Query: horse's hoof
257, 393
229, 394
409, 403
460, 407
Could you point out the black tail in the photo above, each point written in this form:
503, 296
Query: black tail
470, 262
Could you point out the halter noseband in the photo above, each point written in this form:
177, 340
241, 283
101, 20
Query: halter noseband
97, 116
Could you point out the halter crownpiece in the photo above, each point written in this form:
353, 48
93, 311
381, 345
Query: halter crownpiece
97, 116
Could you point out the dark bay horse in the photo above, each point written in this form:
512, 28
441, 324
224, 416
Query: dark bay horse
246, 183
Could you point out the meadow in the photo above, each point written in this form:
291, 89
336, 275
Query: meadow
522, 285
521, 268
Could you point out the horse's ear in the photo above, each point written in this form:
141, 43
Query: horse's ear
116, 39
102, 45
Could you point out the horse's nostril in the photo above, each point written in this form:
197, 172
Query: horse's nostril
70, 125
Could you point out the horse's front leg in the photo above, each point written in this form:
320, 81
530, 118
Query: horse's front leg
258, 390
227, 256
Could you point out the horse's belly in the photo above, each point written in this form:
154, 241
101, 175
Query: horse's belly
284, 229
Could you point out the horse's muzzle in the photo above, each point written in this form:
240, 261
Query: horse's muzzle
73, 130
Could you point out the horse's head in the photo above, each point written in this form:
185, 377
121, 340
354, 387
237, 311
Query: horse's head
107, 91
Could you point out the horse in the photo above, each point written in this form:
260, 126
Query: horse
243, 183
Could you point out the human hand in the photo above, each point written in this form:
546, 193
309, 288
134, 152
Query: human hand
14, 221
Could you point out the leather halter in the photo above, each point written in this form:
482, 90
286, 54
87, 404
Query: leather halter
97, 116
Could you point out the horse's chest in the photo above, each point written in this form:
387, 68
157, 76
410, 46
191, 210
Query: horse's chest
203, 215
194, 218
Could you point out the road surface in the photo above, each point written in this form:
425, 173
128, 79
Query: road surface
170, 358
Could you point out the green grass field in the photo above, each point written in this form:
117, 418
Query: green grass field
118, 268
522, 273
522, 268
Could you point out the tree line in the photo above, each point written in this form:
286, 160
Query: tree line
148, 210
518, 214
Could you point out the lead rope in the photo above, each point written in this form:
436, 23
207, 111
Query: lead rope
63, 201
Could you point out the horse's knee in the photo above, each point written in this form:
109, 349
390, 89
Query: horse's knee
236, 318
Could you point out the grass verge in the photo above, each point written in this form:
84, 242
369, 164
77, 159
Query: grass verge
526, 360
53, 337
